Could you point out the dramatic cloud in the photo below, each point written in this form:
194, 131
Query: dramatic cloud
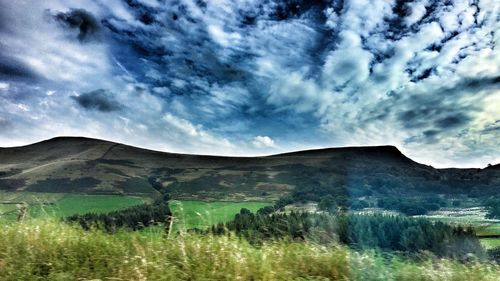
100, 100
241, 76
88, 26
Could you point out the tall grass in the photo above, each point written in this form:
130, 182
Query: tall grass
50, 250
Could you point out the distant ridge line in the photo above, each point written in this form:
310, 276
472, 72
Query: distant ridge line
382, 150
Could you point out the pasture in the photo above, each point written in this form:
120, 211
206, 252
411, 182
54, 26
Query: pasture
475, 217
201, 214
62, 205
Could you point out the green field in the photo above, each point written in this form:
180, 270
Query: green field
7, 208
492, 229
61, 205
490, 243
472, 216
81, 204
200, 214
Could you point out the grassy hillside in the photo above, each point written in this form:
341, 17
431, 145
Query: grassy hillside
49, 250
82, 165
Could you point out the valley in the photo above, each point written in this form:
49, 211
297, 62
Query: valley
337, 204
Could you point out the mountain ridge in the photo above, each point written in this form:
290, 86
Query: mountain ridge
87, 165
391, 149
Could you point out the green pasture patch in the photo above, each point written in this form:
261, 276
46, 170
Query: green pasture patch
492, 229
7, 208
200, 214
490, 243
80, 204
62, 205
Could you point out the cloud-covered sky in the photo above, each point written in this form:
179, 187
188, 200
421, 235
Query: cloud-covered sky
255, 77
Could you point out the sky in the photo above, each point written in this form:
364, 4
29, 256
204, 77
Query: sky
256, 77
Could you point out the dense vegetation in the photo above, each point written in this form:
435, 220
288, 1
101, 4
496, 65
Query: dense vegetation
50, 250
134, 218
411, 206
338, 196
493, 207
394, 233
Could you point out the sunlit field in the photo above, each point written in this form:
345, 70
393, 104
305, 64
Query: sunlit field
44, 247
62, 205
202, 214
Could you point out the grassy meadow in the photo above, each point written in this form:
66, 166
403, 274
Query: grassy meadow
201, 214
62, 205
45, 249
491, 229
476, 217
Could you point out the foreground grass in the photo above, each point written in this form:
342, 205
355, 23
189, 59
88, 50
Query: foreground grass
201, 214
50, 250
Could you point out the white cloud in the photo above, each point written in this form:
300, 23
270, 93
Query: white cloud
418, 10
188, 136
181, 125
222, 37
294, 92
263, 142
349, 63
23, 107
217, 82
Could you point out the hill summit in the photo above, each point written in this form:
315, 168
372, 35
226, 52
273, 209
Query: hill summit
84, 165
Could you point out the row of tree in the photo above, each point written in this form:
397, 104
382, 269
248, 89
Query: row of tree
132, 218
394, 233
493, 207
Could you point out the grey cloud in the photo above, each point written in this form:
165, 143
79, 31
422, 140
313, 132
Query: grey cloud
493, 127
87, 25
452, 121
4, 125
433, 112
13, 69
477, 83
100, 100
423, 109
430, 133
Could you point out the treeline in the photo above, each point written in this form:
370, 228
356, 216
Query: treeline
493, 208
382, 187
132, 218
394, 233
329, 203
411, 206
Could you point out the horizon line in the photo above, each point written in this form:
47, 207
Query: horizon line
285, 153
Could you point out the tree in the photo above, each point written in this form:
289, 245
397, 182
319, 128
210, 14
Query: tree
493, 207
327, 203
412, 239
